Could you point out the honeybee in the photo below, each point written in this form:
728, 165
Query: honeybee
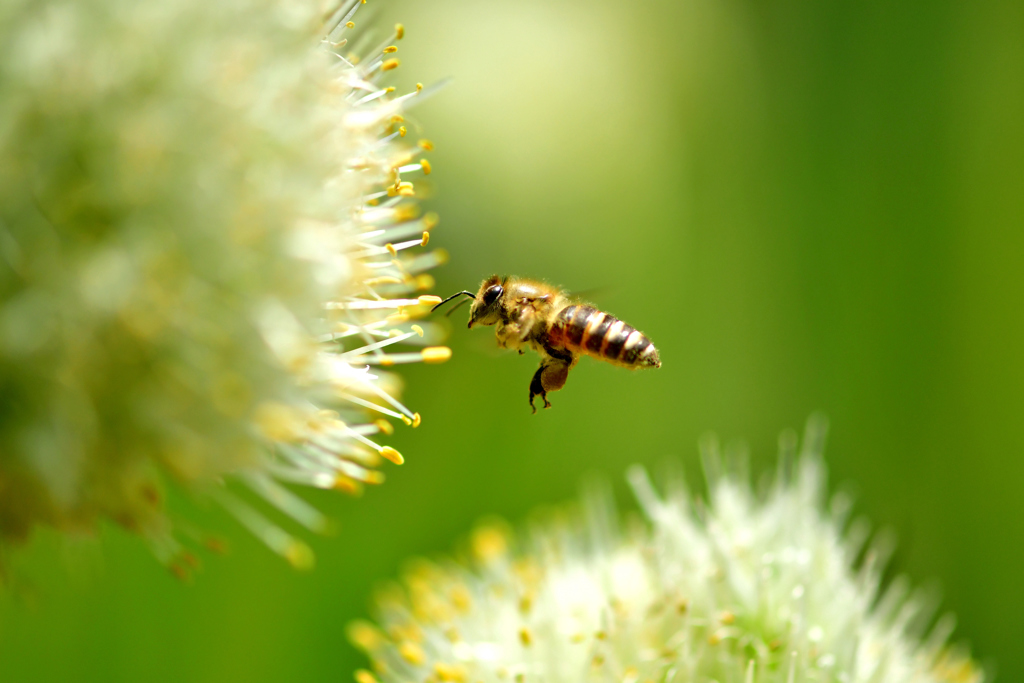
532, 314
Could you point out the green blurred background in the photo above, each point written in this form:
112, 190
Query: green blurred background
806, 206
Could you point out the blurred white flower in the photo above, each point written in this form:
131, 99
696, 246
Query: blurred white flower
743, 588
206, 216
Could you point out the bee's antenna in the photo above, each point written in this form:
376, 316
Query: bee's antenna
452, 309
471, 295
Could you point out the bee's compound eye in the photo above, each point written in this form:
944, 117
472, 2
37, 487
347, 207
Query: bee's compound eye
492, 294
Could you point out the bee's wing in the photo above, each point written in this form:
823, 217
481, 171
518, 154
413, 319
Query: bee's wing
585, 294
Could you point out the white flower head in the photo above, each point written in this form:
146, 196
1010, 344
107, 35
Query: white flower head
210, 245
744, 588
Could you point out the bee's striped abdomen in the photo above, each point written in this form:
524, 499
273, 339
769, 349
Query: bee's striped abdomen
584, 329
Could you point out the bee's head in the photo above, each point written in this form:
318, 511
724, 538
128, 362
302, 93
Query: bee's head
486, 308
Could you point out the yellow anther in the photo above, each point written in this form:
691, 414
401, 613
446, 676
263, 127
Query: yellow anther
350, 24
406, 189
431, 220
392, 191
442, 256
374, 477
216, 545
279, 422
727, 618
343, 483
191, 560
394, 332
407, 212
419, 87
390, 89
384, 426
391, 249
461, 598
425, 281
299, 555
399, 161
364, 676
426, 166
418, 330
416, 420
525, 604
488, 543
426, 144
180, 571
397, 118
352, 57
390, 49
450, 673
407, 420
399, 31
524, 637
373, 202
682, 606
412, 653
327, 414
397, 318
402, 131
386, 361
390, 64
426, 238
383, 280
577, 638
364, 635
429, 300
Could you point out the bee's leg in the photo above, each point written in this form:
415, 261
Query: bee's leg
550, 376
537, 388
553, 376
509, 335
563, 355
